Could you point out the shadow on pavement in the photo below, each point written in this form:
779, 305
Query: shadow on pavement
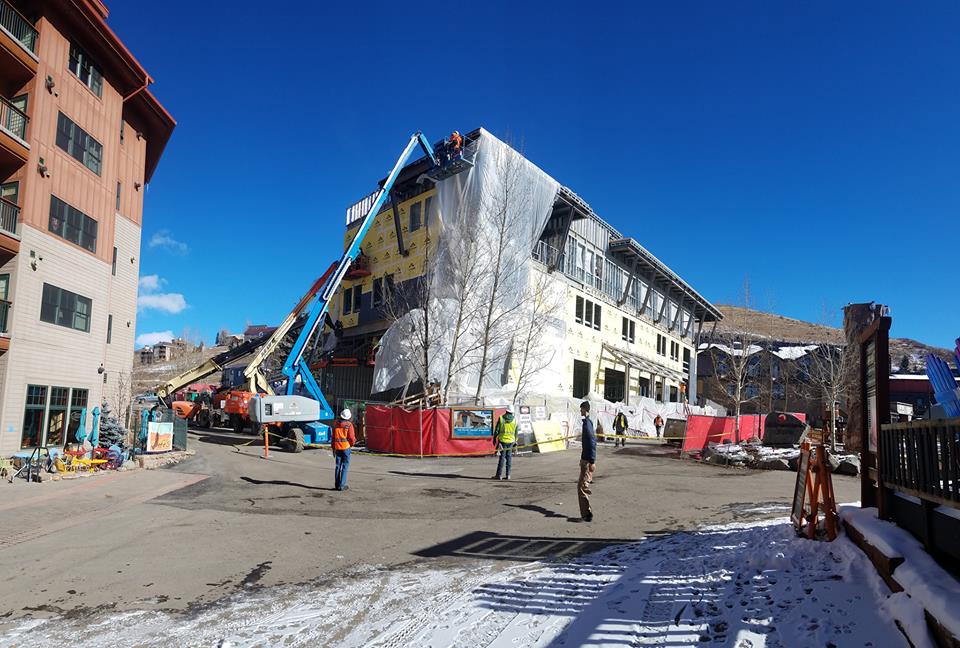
281, 482
493, 546
403, 473
545, 512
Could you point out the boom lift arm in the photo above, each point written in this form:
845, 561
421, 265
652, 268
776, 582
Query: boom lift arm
294, 365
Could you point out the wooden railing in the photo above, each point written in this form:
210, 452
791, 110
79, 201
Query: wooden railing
922, 459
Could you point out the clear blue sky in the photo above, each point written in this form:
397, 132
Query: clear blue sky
813, 148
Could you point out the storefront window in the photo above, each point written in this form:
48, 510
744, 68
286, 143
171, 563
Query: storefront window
33, 416
57, 427
78, 402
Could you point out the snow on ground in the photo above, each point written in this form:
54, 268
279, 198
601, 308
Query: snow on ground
744, 585
925, 583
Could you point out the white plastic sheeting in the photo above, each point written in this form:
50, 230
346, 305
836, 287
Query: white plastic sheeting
502, 203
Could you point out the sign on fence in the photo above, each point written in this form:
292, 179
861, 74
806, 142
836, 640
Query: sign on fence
159, 436
472, 423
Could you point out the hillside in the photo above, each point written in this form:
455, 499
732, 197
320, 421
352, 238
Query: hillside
785, 329
147, 377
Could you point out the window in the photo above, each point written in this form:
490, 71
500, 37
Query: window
661, 345
427, 206
778, 391
113, 265
78, 403
596, 316
415, 219
674, 351
64, 308
674, 394
581, 378
109, 328
10, 191
85, 70
34, 413
118, 196
57, 418
588, 313
579, 310
378, 292
122, 128
78, 144
389, 287
4, 304
72, 224
686, 360
348, 300
628, 330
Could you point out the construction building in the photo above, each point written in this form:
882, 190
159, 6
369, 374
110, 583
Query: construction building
80, 136
627, 325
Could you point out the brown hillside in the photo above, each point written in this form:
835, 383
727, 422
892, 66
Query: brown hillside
785, 329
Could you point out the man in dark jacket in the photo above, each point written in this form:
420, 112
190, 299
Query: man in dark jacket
588, 462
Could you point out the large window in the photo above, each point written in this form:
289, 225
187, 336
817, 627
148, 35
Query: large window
65, 308
52, 415
581, 378
415, 216
72, 224
588, 313
85, 70
57, 419
628, 330
79, 144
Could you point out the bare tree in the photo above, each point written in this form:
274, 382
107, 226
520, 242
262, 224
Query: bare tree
122, 396
504, 210
831, 377
533, 351
736, 362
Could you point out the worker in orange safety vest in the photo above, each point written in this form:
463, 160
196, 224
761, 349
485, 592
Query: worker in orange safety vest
342, 440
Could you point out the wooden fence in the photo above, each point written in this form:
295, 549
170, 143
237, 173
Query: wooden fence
922, 459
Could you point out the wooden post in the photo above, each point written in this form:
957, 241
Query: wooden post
266, 441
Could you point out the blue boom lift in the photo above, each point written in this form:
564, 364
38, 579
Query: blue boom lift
298, 418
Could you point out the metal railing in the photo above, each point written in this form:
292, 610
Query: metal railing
9, 216
18, 26
922, 458
13, 120
4, 313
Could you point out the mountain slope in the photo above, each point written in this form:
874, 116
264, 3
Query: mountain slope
786, 329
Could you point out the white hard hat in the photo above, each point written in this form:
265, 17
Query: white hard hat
345, 414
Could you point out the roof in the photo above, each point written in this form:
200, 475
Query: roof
259, 329
88, 20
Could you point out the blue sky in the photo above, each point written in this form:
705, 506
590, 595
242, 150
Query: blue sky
808, 148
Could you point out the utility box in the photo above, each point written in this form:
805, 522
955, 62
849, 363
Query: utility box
283, 409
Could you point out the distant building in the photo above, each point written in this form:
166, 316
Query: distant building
255, 331
162, 352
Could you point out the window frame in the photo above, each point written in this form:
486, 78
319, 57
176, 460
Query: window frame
76, 142
85, 64
61, 312
71, 218
415, 224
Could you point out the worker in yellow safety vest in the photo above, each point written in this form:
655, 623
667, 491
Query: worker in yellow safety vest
505, 438
342, 439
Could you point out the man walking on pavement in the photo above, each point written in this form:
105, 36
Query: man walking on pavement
343, 439
620, 429
505, 438
588, 462
658, 423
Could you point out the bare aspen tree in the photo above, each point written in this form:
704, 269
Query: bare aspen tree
532, 351
830, 378
736, 358
503, 209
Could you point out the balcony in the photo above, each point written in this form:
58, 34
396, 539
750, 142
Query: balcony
14, 150
18, 46
9, 238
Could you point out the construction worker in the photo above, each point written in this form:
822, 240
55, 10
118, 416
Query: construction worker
456, 144
658, 423
342, 440
588, 462
620, 429
505, 438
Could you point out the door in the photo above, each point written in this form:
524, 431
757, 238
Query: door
614, 385
581, 378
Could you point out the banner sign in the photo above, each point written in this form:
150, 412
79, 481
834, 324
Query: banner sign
159, 436
472, 423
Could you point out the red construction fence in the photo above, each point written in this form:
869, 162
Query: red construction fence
396, 430
701, 430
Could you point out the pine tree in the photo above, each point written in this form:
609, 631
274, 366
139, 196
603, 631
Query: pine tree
111, 431
904, 364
